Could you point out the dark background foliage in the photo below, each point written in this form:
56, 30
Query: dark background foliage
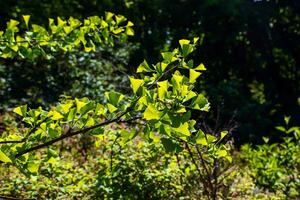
251, 49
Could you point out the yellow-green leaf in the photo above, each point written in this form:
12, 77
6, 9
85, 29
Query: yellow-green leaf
79, 104
114, 97
129, 23
152, 113
143, 67
168, 57
200, 67
33, 167
4, 158
52, 161
108, 16
66, 107
195, 39
183, 129
163, 66
129, 31
190, 95
183, 42
136, 84
21, 110
162, 89
223, 134
200, 138
56, 115
178, 78
12, 24
60, 22
194, 75
90, 122
26, 19
222, 153
111, 108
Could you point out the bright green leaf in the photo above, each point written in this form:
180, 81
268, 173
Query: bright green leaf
4, 158
26, 19
21, 110
183, 129
194, 75
111, 108
143, 67
152, 113
33, 167
200, 67
136, 84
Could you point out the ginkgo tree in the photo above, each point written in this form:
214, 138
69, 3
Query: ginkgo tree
161, 103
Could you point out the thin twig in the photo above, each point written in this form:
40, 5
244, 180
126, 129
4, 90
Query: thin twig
70, 134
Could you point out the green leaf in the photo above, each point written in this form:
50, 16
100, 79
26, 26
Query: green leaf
97, 131
114, 97
222, 153
265, 139
53, 133
171, 146
200, 138
210, 138
21, 110
223, 134
26, 19
194, 75
4, 158
136, 84
90, 122
186, 49
178, 79
108, 16
52, 161
200, 103
33, 167
66, 107
60, 22
168, 57
129, 24
129, 31
287, 119
71, 114
183, 129
55, 115
152, 113
229, 158
190, 95
118, 31
86, 108
162, 89
12, 24
163, 66
200, 67
111, 108
79, 104
280, 128
183, 42
143, 67
120, 19
128, 135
